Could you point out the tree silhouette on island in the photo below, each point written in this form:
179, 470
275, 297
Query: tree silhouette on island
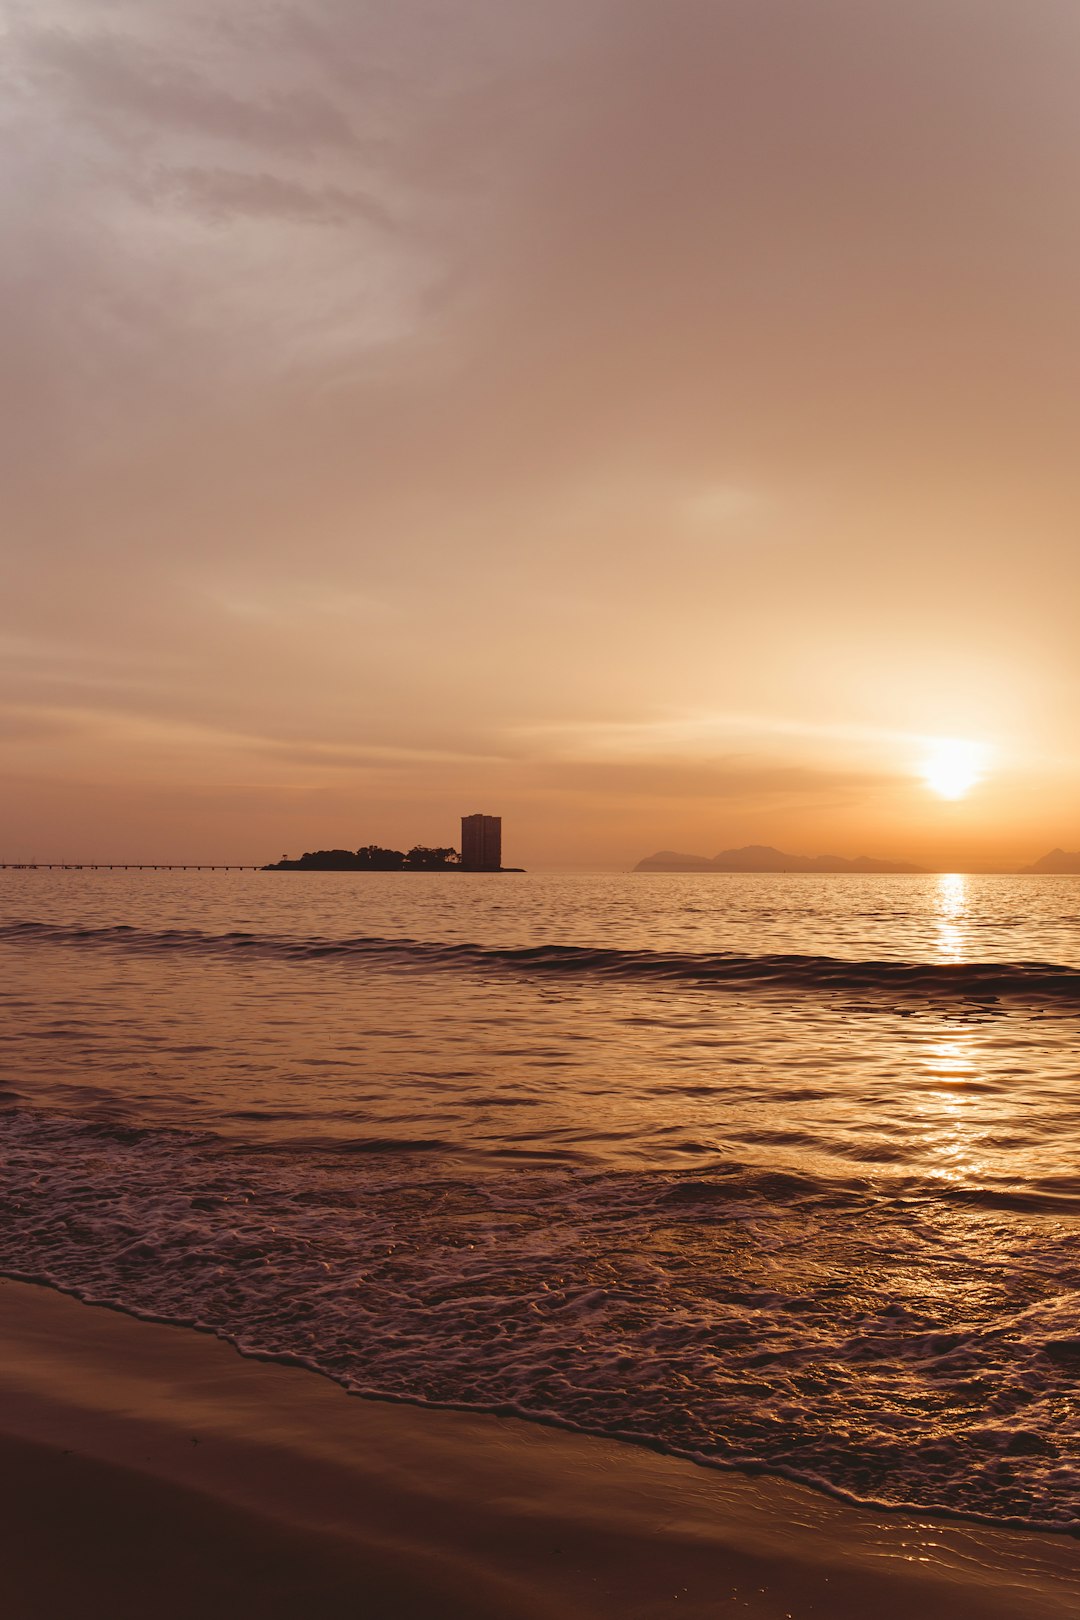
371, 858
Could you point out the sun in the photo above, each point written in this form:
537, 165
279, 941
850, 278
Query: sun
951, 768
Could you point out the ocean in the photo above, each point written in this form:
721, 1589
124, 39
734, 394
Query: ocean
773, 1172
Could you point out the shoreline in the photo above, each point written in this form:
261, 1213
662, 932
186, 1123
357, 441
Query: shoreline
152, 1468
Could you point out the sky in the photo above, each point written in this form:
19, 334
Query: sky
654, 421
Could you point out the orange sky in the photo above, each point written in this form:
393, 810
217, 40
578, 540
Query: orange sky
655, 420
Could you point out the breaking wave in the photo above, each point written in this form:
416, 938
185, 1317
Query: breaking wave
889, 1346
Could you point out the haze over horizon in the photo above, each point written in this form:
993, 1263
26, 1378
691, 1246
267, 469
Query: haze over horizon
653, 424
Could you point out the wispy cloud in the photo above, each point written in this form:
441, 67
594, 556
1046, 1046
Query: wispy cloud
697, 734
112, 80
223, 195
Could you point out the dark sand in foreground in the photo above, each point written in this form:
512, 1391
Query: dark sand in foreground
152, 1471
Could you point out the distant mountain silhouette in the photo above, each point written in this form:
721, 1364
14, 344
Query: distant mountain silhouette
763, 858
1061, 862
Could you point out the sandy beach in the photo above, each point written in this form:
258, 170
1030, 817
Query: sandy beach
152, 1469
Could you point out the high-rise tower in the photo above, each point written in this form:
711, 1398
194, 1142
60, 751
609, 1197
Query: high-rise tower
481, 843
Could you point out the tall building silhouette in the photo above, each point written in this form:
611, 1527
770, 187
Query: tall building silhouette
481, 843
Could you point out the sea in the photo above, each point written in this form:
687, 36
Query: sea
774, 1172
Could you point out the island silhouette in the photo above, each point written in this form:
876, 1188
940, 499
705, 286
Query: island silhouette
373, 858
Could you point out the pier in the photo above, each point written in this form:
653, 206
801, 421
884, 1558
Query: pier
122, 866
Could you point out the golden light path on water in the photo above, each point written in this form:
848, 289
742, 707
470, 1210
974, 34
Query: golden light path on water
950, 1087
952, 906
950, 1098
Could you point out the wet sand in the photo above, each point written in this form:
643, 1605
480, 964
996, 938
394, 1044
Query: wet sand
152, 1470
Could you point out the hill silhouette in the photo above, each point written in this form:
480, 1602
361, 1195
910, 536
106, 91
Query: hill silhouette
763, 858
1059, 862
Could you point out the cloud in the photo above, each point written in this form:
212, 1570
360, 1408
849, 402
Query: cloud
112, 80
31, 726
727, 780
222, 195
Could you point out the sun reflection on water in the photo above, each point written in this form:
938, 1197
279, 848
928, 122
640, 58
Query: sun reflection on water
950, 1105
951, 916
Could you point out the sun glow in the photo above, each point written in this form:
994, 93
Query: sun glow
952, 768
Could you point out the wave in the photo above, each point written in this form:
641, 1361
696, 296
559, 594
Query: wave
750, 1318
985, 982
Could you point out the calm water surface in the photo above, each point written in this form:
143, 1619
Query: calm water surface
778, 1170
